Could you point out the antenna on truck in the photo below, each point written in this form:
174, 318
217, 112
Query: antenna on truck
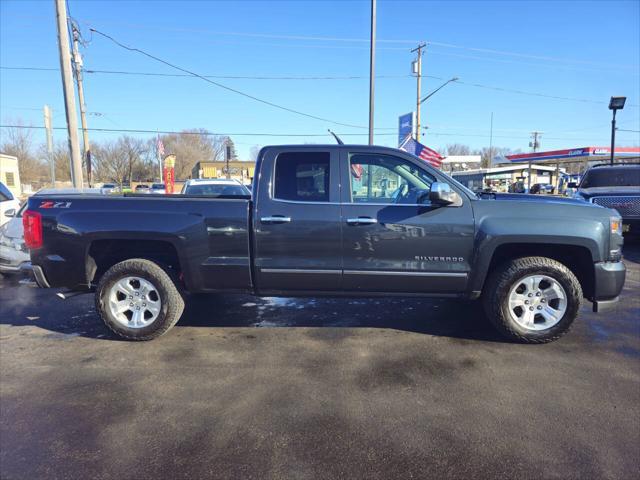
340, 142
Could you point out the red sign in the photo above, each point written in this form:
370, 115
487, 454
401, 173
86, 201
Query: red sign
169, 179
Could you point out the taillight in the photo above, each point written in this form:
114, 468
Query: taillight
32, 223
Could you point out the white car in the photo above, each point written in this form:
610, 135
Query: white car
158, 188
14, 255
215, 187
109, 188
9, 205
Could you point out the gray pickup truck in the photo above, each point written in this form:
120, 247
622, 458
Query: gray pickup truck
344, 220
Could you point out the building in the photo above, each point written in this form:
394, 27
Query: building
10, 175
453, 163
241, 171
577, 155
504, 179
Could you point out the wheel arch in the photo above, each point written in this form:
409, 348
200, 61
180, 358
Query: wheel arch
103, 253
578, 257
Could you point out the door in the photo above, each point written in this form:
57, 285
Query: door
297, 227
394, 239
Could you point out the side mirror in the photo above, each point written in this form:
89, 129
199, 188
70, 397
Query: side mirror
572, 185
441, 194
10, 213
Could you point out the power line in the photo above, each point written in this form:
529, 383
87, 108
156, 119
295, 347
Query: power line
328, 77
220, 85
264, 134
168, 132
366, 40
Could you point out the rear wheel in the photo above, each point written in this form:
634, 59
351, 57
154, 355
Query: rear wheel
138, 300
532, 299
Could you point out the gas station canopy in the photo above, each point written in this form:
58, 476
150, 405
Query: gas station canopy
582, 154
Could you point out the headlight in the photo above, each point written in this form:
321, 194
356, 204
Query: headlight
616, 225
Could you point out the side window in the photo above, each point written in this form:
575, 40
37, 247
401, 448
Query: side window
387, 179
302, 176
5, 193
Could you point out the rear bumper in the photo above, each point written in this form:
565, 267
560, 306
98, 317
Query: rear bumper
609, 279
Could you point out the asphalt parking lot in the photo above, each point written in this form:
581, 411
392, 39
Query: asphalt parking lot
316, 388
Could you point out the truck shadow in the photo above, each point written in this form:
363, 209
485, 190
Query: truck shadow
438, 317
26, 306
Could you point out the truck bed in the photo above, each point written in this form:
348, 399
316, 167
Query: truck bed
204, 240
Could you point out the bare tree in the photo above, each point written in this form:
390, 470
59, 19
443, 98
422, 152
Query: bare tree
458, 149
192, 146
116, 161
18, 142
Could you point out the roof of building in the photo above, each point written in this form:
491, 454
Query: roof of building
510, 168
574, 154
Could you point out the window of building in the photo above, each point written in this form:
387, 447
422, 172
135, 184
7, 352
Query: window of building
387, 179
10, 179
302, 176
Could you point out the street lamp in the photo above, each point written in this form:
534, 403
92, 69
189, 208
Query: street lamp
440, 87
615, 104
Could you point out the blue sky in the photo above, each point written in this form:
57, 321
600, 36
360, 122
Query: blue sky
582, 50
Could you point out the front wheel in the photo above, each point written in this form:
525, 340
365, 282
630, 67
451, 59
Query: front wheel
138, 300
532, 299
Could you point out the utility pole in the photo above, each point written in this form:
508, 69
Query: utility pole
77, 62
48, 128
372, 68
491, 143
69, 93
417, 70
535, 144
227, 155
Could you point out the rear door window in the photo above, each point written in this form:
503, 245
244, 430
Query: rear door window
302, 176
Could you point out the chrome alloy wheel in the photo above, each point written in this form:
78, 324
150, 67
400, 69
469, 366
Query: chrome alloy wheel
537, 302
134, 302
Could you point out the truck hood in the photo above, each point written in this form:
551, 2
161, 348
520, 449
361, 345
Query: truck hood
521, 197
609, 191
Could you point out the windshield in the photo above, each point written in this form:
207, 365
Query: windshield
612, 177
217, 190
158, 186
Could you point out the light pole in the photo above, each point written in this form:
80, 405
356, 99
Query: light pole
454, 79
615, 104
372, 69
420, 102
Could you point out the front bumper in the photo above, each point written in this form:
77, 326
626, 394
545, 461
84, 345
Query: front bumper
608, 282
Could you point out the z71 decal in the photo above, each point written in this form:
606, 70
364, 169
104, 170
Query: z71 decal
50, 204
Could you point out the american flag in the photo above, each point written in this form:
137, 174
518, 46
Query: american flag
430, 156
160, 147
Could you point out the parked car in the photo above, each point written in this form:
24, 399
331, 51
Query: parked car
215, 188
541, 188
108, 188
158, 188
9, 205
614, 186
317, 224
142, 188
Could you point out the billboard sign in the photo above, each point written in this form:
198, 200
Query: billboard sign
406, 126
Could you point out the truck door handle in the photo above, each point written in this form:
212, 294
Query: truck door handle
275, 219
361, 221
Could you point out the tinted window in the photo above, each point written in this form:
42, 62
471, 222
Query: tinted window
612, 177
216, 190
158, 186
302, 176
5, 194
386, 179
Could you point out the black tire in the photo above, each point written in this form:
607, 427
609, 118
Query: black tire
172, 303
496, 302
